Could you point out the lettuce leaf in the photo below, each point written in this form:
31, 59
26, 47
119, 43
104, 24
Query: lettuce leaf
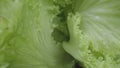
27, 42
41, 33
94, 33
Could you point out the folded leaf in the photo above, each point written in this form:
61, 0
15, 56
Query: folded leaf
94, 33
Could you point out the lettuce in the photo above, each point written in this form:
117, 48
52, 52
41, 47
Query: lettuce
59, 34
94, 33
25, 38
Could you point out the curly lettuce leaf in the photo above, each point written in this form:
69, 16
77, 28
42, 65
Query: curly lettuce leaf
94, 33
29, 43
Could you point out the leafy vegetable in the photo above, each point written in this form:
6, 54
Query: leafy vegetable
94, 33
26, 41
59, 34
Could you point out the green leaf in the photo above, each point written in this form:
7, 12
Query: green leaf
30, 44
94, 33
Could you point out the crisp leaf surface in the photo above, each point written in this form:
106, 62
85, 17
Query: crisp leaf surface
94, 33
